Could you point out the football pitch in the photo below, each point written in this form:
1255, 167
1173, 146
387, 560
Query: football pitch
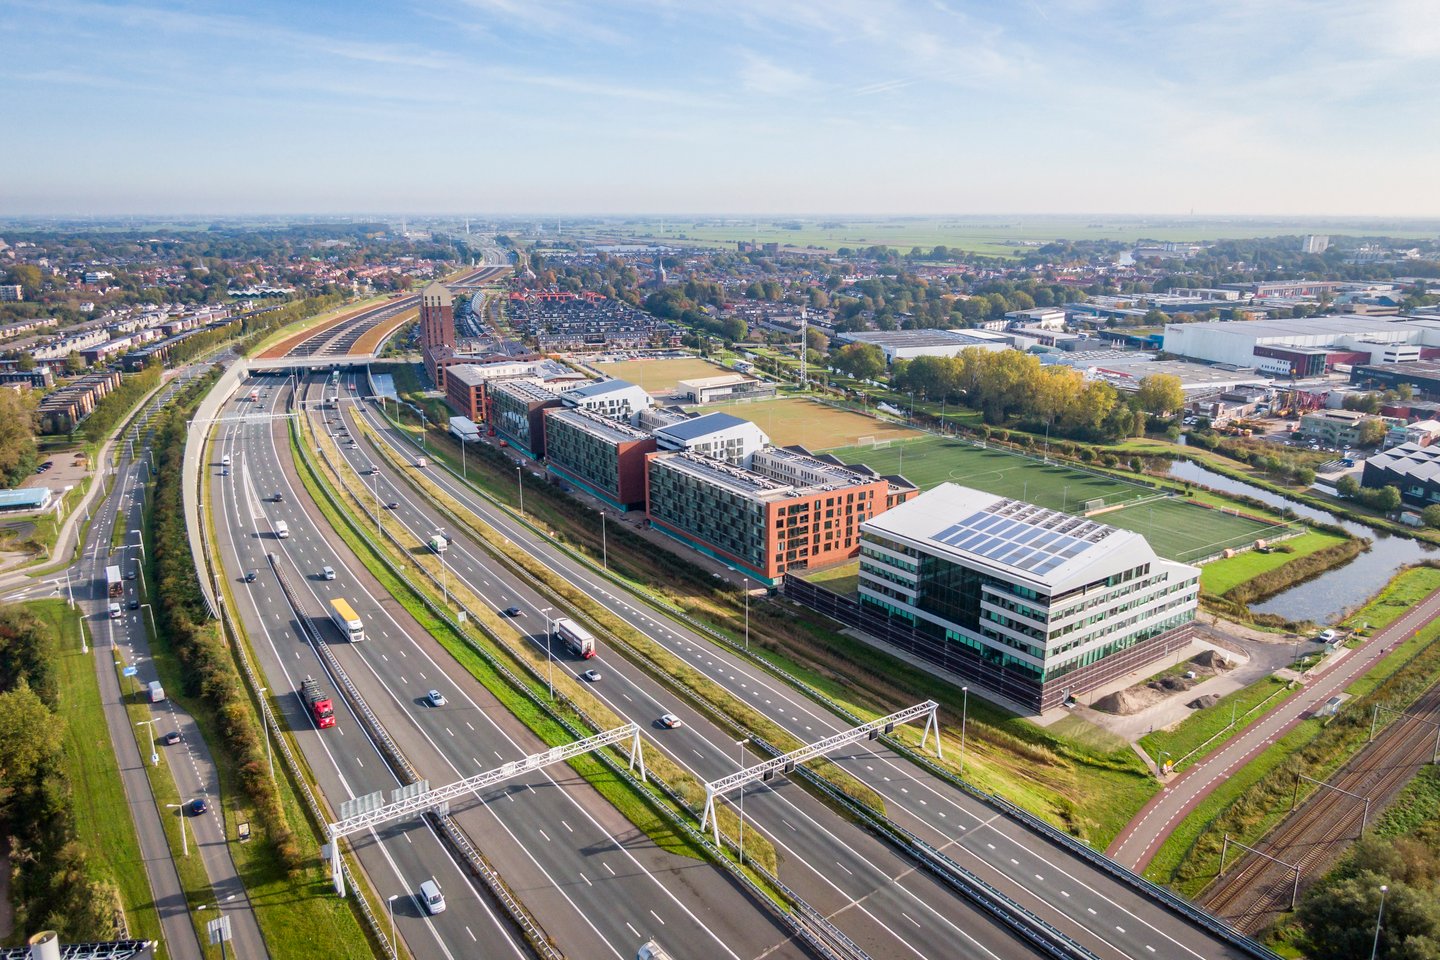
1176, 529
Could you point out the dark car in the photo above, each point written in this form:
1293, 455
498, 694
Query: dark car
197, 806
171, 738
249, 576
514, 612
134, 603
393, 505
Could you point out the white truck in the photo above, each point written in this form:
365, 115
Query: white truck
438, 543
650, 950
577, 638
346, 620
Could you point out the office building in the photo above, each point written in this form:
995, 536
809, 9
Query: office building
1036, 604
726, 386
617, 399
604, 457
12, 291
717, 435
1315, 244
1411, 468
1336, 428
791, 512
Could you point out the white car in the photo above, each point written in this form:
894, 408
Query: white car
436, 698
669, 721
591, 676
1327, 636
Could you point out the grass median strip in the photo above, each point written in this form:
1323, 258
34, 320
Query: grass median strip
342, 511
1205, 730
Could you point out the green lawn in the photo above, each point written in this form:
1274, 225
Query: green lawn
842, 579
930, 460
1188, 531
1403, 592
1220, 575
103, 825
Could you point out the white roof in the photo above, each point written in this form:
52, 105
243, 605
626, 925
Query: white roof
1024, 543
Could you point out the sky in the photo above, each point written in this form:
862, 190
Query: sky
1303, 107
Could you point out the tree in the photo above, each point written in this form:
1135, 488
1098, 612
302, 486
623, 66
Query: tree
1160, 394
863, 361
17, 435
735, 329
26, 363
1431, 516
815, 340
74, 363
32, 737
1348, 487
1371, 432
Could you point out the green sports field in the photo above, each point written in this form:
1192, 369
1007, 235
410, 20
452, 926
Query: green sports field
1176, 528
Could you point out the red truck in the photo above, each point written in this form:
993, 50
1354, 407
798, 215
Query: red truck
320, 706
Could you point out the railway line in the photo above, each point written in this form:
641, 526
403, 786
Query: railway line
1254, 893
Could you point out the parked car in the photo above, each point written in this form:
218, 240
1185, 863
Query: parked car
1327, 636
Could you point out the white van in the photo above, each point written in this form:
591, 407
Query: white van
282, 529
115, 611
431, 896
225, 460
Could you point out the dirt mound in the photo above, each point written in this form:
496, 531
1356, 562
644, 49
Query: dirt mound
1213, 659
1120, 702
1200, 703
1171, 683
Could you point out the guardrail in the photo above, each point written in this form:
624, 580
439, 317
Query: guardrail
804, 922
529, 926
1143, 886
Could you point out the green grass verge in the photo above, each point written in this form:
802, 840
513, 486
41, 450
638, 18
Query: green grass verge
843, 579
1179, 846
1261, 697
103, 826
1220, 575
1406, 589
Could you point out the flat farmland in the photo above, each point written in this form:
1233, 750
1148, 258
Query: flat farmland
658, 377
816, 426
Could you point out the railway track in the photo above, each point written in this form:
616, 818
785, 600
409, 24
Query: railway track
1256, 890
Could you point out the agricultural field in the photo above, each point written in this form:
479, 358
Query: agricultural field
658, 377
1176, 529
994, 235
816, 426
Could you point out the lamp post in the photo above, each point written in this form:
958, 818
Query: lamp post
747, 614
444, 578
1379, 918
964, 717
549, 661
154, 630
184, 841
390, 903
465, 473
265, 721
740, 765
375, 492
604, 545
520, 482
154, 754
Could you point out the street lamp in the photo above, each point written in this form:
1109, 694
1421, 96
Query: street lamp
747, 614
520, 481
740, 765
154, 630
265, 722
390, 903
184, 840
1379, 917
964, 717
604, 545
549, 662
154, 754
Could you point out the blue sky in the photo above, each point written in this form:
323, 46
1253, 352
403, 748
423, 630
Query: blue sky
742, 106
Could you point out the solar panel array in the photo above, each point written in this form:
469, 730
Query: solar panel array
1024, 536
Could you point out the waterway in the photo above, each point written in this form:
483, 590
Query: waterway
1326, 598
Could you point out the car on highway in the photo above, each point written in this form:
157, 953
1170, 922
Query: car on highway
436, 698
327, 573
393, 505
134, 603
591, 676
249, 576
171, 738
669, 721
514, 612
196, 807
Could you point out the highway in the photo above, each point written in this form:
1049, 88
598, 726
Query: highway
1100, 912
599, 886
189, 762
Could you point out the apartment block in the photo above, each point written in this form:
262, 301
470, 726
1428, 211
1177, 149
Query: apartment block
602, 456
516, 410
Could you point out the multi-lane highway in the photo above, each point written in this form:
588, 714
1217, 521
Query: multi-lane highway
1109, 917
599, 887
